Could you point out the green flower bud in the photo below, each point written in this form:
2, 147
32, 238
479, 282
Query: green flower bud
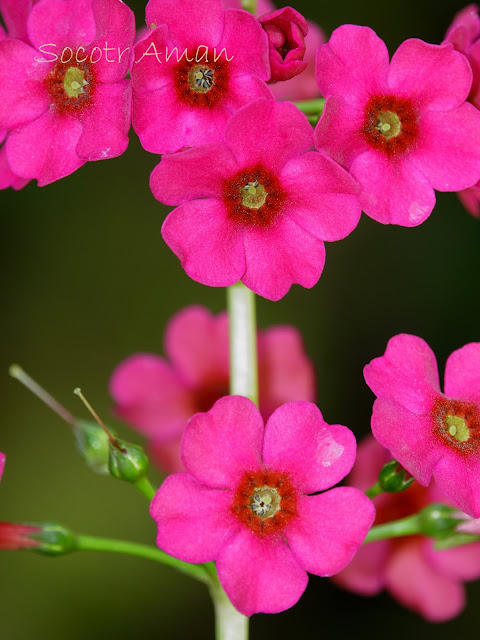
93, 445
437, 521
393, 478
127, 461
54, 540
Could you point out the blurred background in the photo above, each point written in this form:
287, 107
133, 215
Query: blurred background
86, 280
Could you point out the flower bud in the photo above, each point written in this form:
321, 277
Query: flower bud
393, 478
437, 520
15, 536
127, 461
286, 30
53, 539
93, 444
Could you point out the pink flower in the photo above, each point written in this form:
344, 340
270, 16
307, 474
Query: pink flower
56, 110
470, 198
464, 34
430, 433
286, 30
418, 576
158, 396
258, 207
245, 501
303, 86
185, 96
402, 129
15, 536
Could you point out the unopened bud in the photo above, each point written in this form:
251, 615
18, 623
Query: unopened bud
393, 478
127, 461
437, 521
53, 540
93, 445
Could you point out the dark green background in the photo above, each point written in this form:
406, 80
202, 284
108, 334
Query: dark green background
87, 280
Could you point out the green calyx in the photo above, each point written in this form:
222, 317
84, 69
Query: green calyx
127, 461
93, 445
54, 540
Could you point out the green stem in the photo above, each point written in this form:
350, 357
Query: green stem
311, 106
374, 491
243, 342
90, 543
144, 486
405, 527
229, 623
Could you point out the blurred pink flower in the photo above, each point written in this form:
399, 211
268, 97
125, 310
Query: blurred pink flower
402, 128
244, 501
55, 110
464, 34
430, 433
158, 396
185, 96
418, 576
258, 207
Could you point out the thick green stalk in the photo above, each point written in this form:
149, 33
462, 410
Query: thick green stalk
314, 107
229, 623
90, 543
249, 5
405, 527
243, 342
144, 485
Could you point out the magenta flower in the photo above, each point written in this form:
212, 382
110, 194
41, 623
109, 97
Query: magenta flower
464, 34
185, 96
421, 578
158, 396
286, 30
56, 110
245, 501
258, 207
15, 536
470, 198
402, 129
430, 433
303, 86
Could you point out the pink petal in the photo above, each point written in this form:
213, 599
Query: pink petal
196, 343
299, 442
147, 72
365, 573
329, 529
406, 373
150, 396
66, 23
115, 28
247, 43
190, 22
458, 563
449, 152
409, 437
53, 154
15, 15
112, 103
23, 95
268, 132
260, 574
220, 445
459, 478
323, 196
436, 77
462, 373
2, 464
207, 243
243, 89
338, 131
285, 371
392, 191
7, 177
182, 176
194, 522
419, 586
371, 457
353, 64
470, 198
279, 256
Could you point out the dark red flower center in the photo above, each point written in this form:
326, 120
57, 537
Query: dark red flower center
71, 86
253, 196
265, 501
202, 81
206, 396
457, 424
390, 124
